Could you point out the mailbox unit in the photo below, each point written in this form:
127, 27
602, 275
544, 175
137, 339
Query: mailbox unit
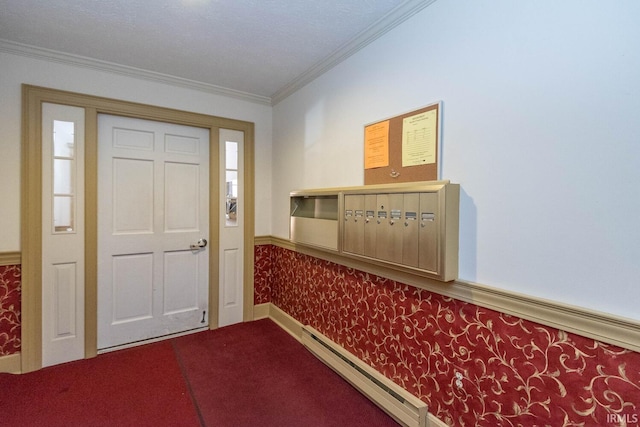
412, 227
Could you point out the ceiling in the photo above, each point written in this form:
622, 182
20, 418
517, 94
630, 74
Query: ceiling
260, 48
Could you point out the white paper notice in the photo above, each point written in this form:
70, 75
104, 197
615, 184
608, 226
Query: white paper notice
419, 139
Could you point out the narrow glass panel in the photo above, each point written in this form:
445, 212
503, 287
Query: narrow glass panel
232, 183
232, 198
63, 220
63, 139
63, 176
231, 150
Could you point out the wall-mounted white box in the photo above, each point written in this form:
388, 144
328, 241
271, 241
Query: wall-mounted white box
314, 219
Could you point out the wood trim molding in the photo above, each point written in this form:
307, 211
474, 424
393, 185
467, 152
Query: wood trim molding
261, 311
604, 327
249, 219
10, 258
11, 363
31, 206
262, 240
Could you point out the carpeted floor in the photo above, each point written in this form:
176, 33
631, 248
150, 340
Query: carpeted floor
242, 375
142, 386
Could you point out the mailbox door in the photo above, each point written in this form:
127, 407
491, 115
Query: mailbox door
353, 239
389, 227
428, 232
370, 212
410, 226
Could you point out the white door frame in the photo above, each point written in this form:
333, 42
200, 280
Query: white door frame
31, 207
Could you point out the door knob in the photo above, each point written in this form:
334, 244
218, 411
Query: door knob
198, 245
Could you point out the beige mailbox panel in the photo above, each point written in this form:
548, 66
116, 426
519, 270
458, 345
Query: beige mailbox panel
411, 227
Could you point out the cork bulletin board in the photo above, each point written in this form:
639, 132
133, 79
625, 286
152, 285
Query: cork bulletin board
405, 148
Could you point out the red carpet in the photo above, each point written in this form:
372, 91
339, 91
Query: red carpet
141, 386
250, 374
255, 374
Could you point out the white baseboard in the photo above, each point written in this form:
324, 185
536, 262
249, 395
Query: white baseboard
432, 421
11, 363
286, 322
294, 328
261, 311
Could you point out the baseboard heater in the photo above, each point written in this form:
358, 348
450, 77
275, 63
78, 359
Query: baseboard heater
404, 407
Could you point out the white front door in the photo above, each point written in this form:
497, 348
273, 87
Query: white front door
153, 229
230, 309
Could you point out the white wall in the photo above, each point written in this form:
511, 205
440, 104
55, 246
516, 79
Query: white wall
541, 127
15, 70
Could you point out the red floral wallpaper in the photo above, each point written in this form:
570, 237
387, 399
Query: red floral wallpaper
473, 366
262, 274
9, 309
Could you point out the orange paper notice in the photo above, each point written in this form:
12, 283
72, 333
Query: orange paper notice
376, 145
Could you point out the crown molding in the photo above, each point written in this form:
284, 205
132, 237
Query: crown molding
373, 32
98, 65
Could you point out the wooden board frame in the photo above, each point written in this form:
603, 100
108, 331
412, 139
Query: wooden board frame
395, 172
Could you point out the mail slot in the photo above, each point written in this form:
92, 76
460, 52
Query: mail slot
370, 203
389, 230
353, 237
410, 251
428, 232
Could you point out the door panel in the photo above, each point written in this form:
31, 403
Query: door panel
181, 190
65, 285
63, 233
230, 292
230, 304
180, 267
132, 196
132, 288
153, 199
